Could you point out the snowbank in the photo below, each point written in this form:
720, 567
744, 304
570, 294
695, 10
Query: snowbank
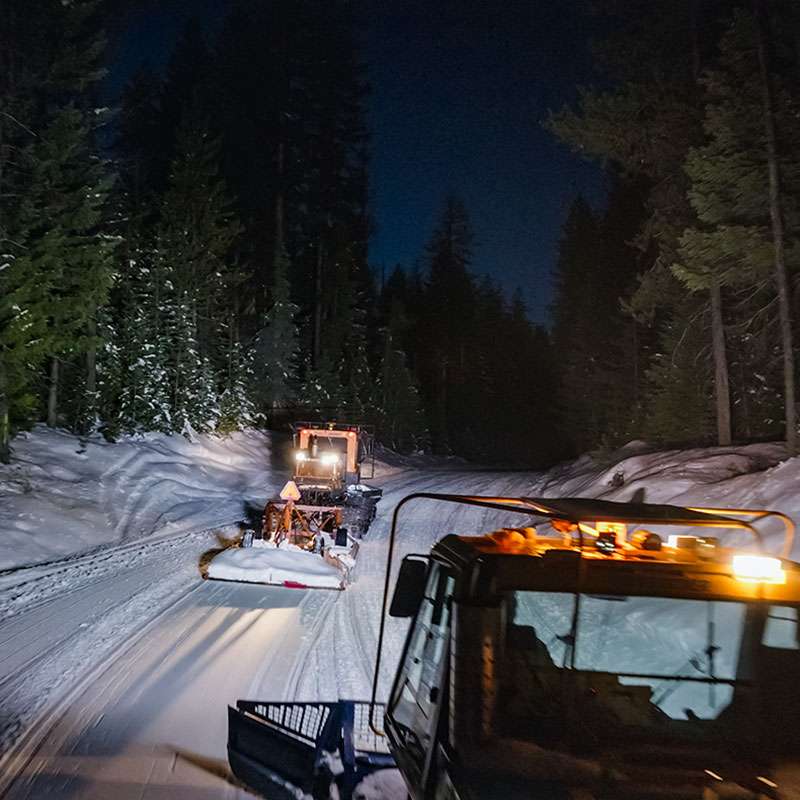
388, 463
63, 495
737, 476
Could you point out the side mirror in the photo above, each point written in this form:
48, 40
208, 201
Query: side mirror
410, 587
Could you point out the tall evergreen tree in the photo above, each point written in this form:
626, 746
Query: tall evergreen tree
575, 313
23, 296
71, 246
54, 222
276, 348
292, 90
732, 249
137, 369
196, 234
446, 356
401, 421
681, 405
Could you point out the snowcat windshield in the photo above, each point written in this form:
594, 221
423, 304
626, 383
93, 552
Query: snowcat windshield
648, 666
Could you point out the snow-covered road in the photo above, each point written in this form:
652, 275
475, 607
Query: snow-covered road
117, 660
135, 658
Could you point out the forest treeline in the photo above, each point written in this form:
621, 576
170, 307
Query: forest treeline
677, 307
196, 259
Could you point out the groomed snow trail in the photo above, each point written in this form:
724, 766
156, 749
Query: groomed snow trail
116, 665
154, 654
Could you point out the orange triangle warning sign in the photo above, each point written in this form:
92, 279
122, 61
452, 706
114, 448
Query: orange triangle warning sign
290, 491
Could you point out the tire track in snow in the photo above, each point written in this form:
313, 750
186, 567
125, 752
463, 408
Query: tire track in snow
320, 605
19, 742
27, 587
78, 615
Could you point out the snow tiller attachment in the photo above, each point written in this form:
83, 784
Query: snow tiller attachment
290, 750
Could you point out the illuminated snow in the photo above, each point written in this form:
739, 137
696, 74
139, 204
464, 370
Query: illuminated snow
275, 565
140, 656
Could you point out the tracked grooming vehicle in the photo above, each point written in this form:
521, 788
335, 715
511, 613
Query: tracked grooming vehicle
605, 651
309, 535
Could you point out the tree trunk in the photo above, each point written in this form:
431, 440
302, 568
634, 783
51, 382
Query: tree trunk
318, 284
278, 246
721, 383
777, 238
722, 392
91, 376
5, 438
794, 11
52, 395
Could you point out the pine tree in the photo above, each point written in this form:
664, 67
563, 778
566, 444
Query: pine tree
527, 398
730, 252
237, 408
401, 422
448, 368
22, 297
141, 158
196, 234
575, 312
276, 348
186, 85
71, 246
321, 393
59, 263
681, 406
137, 373
133, 366
292, 91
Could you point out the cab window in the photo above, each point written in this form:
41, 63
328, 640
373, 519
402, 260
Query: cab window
428, 642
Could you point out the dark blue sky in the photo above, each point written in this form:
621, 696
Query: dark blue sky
459, 91
460, 88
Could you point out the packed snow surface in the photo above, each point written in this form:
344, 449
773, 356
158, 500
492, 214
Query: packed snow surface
117, 659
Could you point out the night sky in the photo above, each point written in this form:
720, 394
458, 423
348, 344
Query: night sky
459, 90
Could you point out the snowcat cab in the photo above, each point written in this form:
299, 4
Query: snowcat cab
328, 459
615, 651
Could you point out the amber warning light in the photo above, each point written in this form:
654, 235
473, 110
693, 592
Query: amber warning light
758, 569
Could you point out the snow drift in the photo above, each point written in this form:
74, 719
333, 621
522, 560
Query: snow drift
63, 495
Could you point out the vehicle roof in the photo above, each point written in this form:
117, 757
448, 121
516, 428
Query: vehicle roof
576, 510
582, 509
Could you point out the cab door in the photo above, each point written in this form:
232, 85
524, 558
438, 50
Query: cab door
413, 712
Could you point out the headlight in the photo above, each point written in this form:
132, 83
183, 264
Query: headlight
300, 456
759, 569
330, 458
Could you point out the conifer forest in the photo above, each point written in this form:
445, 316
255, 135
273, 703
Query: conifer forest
195, 257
